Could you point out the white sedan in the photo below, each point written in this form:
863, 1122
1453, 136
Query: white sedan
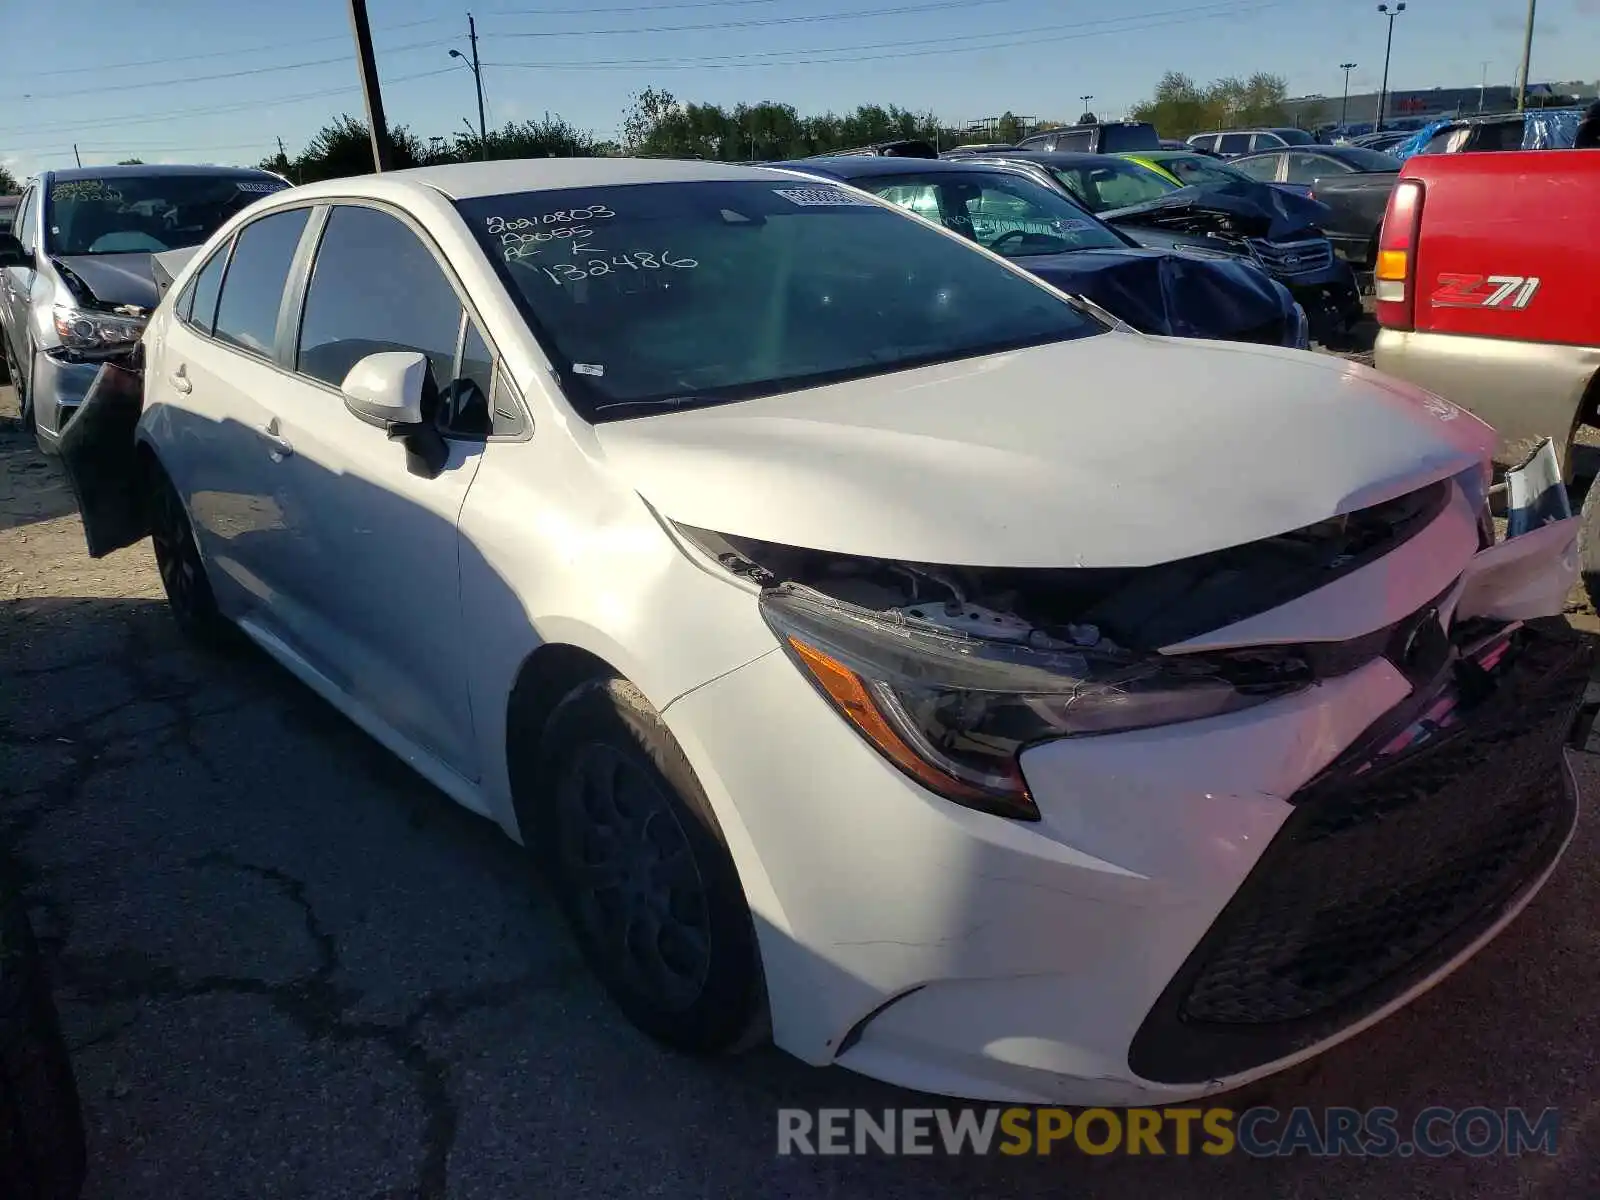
868, 638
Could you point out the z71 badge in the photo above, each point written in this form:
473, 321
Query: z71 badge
1479, 291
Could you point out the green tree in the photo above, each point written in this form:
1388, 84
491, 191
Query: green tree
342, 147
1009, 129
278, 164
8, 182
130, 162
1180, 107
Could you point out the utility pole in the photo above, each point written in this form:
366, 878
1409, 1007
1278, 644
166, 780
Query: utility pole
76, 156
369, 85
1344, 109
1483, 84
1383, 95
477, 78
1527, 58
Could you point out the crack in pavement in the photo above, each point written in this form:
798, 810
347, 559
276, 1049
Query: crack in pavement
313, 1003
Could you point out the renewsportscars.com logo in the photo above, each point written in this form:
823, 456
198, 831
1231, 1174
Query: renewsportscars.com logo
1257, 1132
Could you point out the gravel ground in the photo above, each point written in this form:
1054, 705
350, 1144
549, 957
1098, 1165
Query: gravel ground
289, 968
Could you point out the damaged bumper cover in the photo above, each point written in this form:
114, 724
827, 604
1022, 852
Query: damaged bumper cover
1219, 897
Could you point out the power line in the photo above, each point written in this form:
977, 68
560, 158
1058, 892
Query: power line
243, 106
764, 22
315, 62
849, 54
298, 43
632, 8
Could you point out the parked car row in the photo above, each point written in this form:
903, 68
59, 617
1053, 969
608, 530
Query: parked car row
830, 593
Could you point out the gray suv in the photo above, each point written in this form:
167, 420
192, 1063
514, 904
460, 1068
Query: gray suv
75, 270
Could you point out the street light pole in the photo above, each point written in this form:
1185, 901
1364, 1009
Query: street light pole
477, 78
1383, 95
1527, 58
1344, 108
1085, 100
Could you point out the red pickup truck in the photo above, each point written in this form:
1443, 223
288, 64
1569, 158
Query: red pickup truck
1488, 291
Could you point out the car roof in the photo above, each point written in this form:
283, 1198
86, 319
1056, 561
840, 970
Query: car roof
1071, 158
851, 167
466, 181
147, 170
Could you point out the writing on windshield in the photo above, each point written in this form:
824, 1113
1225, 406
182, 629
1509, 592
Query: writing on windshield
678, 294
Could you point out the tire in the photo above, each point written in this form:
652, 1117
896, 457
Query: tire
643, 874
1589, 543
24, 406
183, 571
41, 1124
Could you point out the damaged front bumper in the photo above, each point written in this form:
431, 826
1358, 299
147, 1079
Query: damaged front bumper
1198, 905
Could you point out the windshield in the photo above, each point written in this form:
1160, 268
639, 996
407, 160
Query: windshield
1111, 183
1006, 213
685, 294
124, 214
1367, 160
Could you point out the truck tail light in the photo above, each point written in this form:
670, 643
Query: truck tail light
1394, 274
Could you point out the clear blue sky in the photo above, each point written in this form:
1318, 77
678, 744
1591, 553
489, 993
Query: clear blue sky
193, 80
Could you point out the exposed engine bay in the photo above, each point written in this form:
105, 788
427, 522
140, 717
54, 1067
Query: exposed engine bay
1132, 609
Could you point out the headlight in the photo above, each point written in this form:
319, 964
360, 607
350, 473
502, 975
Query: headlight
1300, 330
80, 330
955, 712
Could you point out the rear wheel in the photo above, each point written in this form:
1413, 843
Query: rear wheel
183, 572
643, 874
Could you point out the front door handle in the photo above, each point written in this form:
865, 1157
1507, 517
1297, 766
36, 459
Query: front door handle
278, 446
179, 380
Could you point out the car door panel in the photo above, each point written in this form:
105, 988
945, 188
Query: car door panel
366, 556
372, 595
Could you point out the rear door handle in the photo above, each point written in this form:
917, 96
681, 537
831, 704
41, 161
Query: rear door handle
179, 380
278, 446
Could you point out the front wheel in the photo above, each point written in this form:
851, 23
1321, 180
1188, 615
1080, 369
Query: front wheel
1589, 543
183, 572
642, 872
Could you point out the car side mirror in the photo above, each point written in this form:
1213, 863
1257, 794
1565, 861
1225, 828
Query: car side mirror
386, 389
391, 391
12, 253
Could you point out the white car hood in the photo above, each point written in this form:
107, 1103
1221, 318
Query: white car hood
1111, 451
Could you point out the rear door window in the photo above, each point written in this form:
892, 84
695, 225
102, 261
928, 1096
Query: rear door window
1234, 143
198, 308
1265, 141
1308, 168
252, 288
1263, 167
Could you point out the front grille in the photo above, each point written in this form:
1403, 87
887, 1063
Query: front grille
1288, 259
1391, 864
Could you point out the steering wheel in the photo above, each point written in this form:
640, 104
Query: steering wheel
1019, 234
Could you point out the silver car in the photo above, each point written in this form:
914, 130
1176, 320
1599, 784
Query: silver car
75, 270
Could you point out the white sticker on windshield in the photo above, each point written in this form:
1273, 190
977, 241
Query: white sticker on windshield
588, 369
1074, 226
263, 186
820, 195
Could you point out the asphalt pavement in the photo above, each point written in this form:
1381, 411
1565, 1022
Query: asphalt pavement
288, 967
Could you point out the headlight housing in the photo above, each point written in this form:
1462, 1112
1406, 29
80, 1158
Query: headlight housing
83, 330
955, 712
